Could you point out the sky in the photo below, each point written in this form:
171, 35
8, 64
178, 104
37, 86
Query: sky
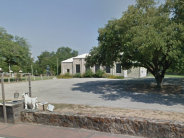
50, 24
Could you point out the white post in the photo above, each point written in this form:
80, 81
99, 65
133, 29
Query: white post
3, 98
8, 79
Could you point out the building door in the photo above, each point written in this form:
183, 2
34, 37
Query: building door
118, 68
77, 68
107, 69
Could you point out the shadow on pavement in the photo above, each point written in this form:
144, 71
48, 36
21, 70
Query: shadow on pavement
117, 89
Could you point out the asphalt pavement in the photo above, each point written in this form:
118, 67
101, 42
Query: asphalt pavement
100, 92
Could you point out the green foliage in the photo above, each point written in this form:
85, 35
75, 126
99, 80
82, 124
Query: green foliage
64, 53
176, 9
115, 77
46, 58
99, 73
105, 75
77, 75
51, 59
145, 36
65, 76
14, 51
88, 74
15, 68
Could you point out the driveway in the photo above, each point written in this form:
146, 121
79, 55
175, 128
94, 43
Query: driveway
100, 92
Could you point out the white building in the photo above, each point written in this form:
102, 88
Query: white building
77, 65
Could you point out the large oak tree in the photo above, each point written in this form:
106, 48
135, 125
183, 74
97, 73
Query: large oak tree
145, 36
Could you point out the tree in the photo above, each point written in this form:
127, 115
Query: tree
13, 50
176, 9
64, 53
144, 36
51, 58
46, 58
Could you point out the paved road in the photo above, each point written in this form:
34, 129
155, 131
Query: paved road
41, 131
101, 92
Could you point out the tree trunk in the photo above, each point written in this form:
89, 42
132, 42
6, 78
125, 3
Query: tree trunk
159, 79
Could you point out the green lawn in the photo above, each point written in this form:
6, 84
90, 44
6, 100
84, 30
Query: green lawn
170, 76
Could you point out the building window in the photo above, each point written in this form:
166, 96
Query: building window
87, 67
107, 69
68, 70
77, 68
97, 67
118, 68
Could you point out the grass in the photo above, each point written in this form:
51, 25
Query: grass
170, 76
65, 76
115, 77
174, 76
62, 106
85, 109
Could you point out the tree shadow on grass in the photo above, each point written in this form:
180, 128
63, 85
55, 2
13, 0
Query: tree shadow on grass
137, 90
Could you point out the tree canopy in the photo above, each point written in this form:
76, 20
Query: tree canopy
13, 50
145, 36
51, 59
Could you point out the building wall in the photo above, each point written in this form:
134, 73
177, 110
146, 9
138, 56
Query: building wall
76, 61
93, 69
81, 62
143, 72
65, 66
113, 71
132, 73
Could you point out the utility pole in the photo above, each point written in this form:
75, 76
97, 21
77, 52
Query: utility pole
57, 66
29, 85
31, 63
32, 69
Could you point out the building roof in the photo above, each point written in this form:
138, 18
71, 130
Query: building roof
68, 60
79, 56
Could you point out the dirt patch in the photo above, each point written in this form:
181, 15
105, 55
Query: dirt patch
118, 112
167, 89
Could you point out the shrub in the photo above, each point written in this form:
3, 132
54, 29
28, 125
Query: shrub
77, 75
88, 73
99, 73
115, 77
105, 75
65, 76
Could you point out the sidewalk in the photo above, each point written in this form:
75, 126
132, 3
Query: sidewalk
24, 130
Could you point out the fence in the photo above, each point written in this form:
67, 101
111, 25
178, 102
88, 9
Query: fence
14, 78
